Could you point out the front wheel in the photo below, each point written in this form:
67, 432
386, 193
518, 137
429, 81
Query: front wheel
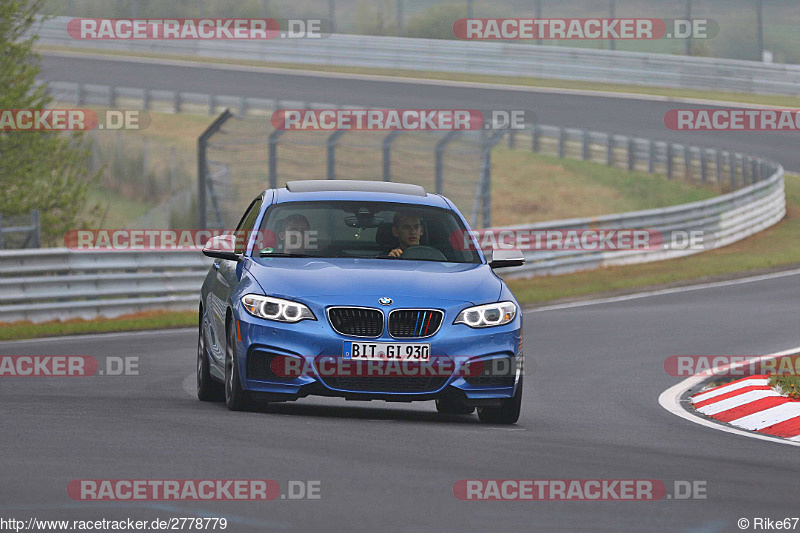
507, 413
236, 398
208, 390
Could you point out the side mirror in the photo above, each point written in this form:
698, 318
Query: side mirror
222, 247
505, 258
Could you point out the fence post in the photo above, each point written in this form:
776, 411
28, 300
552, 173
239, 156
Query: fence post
144, 157
703, 166
485, 179
202, 166
176, 107
585, 145
273, 157
745, 164
146, 97
609, 149
211, 102
243, 106
387, 154
732, 169
79, 95
112, 96
439, 155
562, 142
651, 157
718, 163
669, 160
511, 133
631, 154
1, 231
36, 229
687, 162
534, 138
333, 138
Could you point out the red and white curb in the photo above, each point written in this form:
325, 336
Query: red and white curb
673, 400
751, 404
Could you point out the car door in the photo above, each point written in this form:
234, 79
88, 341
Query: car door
227, 277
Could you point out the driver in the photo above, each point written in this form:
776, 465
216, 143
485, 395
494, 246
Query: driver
407, 227
294, 233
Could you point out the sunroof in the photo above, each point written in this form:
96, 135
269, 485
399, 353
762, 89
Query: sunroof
355, 186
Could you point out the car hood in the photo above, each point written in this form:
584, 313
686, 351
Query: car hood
304, 278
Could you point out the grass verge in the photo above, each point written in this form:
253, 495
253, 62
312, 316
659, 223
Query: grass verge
786, 385
524, 81
773, 249
133, 322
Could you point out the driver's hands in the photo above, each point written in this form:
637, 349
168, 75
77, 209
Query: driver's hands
397, 252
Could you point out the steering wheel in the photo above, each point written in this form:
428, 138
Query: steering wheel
428, 253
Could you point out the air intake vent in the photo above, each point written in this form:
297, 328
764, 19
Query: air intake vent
356, 321
414, 323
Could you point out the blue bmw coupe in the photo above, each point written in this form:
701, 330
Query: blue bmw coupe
362, 290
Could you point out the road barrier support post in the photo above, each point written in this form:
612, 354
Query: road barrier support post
272, 141
331, 142
585, 145
387, 154
202, 166
439, 156
631, 154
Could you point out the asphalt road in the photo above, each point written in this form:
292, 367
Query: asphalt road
590, 411
642, 118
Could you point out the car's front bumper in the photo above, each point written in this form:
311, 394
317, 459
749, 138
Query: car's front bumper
314, 351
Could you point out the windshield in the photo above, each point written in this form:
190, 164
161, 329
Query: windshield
379, 230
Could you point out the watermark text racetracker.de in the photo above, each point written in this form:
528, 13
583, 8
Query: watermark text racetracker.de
258, 29
584, 28
578, 490
67, 366
732, 119
192, 489
352, 119
583, 239
731, 365
72, 119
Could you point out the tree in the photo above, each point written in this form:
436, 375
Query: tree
38, 170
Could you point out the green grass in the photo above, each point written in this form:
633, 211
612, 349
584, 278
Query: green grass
786, 385
773, 249
529, 187
135, 322
526, 81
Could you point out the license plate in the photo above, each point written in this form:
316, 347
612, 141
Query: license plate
386, 351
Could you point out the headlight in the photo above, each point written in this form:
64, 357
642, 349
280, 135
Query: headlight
276, 308
485, 316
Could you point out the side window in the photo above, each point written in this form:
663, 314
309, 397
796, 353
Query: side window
246, 225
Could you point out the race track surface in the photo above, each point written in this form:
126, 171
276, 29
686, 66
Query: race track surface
643, 118
590, 411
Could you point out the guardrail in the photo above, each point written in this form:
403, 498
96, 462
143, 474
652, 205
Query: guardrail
58, 283
50, 284
67, 284
470, 57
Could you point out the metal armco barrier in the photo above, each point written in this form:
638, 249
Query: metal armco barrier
470, 57
51, 284
58, 283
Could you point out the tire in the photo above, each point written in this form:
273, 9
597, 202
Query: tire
507, 413
208, 390
448, 406
236, 398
